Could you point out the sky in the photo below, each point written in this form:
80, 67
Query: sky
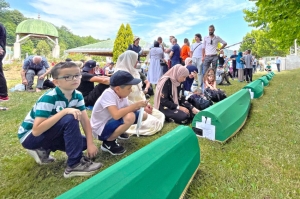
148, 19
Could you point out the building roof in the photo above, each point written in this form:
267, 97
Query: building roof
104, 48
37, 26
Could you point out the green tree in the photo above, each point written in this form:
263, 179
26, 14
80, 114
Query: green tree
27, 47
129, 35
3, 5
16, 16
120, 44
260, 45
10, 33
279, 18
43, 48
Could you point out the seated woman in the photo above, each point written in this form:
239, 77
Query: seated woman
155, 120
87, 86
169, 98
190, 79
210, 85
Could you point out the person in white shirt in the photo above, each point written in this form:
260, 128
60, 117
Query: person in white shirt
196, 55
278, 62
209, 52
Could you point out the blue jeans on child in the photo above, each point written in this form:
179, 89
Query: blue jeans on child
65, 136
112, 125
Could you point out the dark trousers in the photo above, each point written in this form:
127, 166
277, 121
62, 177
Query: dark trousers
177, 115
248, 74
278, 67
234, 71
92, 97
210, 60
65, 136
3, 85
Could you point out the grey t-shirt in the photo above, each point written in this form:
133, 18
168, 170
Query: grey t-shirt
248, 61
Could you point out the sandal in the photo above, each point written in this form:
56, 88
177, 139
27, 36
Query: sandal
3, 108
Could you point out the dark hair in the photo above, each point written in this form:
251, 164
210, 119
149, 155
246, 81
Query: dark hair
61, 65
199, 36
186, 40
156, 44
159, 38
175, 40
212, 26
68, 59
249, 51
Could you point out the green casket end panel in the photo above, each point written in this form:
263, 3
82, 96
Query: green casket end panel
227, 116
256, 87
264, 80
161, 169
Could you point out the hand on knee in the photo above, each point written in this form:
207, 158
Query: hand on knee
129, 118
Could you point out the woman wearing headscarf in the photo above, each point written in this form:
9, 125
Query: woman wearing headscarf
189, 80
169, 98
154, 123
155, 69
240, 67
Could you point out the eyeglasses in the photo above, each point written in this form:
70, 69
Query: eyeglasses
70, 77
211, 42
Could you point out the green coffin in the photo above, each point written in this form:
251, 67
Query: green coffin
269, 77
264, 80
272, 73
162, 169
222, 120
256, 89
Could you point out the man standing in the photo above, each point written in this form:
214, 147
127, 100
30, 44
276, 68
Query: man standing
175, 53
209, 52
196, 55
3, 85
135, 47
254, 64
34, 65
248, 65
233, 59
278, 62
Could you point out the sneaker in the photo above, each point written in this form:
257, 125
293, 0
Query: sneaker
112, 147
84, 168
41, 156
4, 99
123, 136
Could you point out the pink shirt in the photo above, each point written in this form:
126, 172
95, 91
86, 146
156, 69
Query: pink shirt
100, 113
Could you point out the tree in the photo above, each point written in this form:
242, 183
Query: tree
43, 48
120, 44
3, 5
129, 35
263, 46
279, 18
27, 47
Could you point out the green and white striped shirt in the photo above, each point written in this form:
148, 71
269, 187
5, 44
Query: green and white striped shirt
48, 105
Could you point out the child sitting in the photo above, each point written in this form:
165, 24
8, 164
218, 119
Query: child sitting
53, 124
268, 67
112, 115
210, 86
196, 97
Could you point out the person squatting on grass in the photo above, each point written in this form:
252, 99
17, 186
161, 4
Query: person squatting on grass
169, 96
53, 124
112, 115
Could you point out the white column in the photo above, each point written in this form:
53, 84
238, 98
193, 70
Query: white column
17, 50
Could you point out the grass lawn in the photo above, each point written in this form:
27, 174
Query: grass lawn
261, 161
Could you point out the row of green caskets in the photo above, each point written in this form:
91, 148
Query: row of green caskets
224, 119
166, 167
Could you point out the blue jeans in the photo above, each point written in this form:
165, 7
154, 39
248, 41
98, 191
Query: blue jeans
65, 136
112, 125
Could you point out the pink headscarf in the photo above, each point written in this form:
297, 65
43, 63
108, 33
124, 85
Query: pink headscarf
174, 74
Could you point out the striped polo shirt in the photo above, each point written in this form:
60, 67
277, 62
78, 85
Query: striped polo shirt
48, 105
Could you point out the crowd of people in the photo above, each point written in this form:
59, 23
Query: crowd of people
183, 81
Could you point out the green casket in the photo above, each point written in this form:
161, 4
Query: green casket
264, 80
162, 169
222, 120
255, 88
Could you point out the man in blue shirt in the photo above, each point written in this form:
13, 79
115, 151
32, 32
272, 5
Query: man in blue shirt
278, 62
135, 47
175, 53
233, 58
34, 65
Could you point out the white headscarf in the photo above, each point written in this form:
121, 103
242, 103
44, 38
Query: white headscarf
126, 62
